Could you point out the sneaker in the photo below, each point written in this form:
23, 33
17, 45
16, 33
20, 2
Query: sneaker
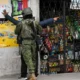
22, 78
26, 78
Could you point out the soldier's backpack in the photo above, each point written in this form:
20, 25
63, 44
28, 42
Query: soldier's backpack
28, 30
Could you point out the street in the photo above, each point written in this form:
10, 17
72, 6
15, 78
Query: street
65, 76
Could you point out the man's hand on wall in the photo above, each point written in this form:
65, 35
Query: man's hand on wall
4, 12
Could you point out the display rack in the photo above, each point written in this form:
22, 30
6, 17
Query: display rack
66, 64
63, 11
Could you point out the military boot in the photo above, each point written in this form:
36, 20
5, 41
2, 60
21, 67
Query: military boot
32, 77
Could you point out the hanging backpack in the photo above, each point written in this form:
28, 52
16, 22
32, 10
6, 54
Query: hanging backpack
28, 31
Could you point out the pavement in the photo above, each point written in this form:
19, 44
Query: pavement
65, 76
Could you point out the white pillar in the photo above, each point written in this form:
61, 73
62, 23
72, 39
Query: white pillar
34, 4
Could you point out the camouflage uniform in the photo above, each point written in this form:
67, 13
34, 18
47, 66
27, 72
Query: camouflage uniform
29, 41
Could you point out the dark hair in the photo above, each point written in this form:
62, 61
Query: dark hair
28, 16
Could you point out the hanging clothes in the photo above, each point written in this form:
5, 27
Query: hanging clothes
25, 3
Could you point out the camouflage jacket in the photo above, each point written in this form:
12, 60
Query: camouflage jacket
28, 29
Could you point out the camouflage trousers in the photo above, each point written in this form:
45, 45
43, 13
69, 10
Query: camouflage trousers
29, 55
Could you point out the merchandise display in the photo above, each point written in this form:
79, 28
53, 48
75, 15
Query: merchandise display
63, 39
7, 35
18, 6
53, 40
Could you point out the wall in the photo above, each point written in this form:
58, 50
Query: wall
34, 4
5, 5
9, 56
9, 61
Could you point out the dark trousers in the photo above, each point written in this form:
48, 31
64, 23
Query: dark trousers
23, 67
36, 68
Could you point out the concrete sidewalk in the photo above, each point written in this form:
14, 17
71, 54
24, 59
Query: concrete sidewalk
10, 77
65, 76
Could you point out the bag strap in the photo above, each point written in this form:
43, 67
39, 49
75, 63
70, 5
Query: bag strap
34, 28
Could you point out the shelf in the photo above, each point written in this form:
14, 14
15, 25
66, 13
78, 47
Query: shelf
53, 61
54, 66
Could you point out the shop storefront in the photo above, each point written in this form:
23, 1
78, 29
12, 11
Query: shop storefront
60, 50
61, 38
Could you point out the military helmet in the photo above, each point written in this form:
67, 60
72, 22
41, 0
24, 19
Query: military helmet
26, 11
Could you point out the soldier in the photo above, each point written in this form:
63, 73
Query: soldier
27, 29
28, 42
42, 23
